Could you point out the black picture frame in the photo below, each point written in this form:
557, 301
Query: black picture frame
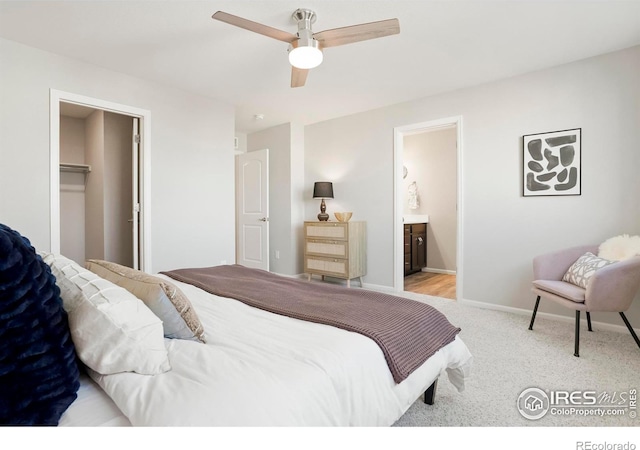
552, 163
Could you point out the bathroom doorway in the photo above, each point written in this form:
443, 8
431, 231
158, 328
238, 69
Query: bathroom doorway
428, 208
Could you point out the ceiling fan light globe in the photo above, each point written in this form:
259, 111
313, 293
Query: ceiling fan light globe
305, 57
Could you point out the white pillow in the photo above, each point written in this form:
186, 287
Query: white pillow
583, 269
113, 331
620, 248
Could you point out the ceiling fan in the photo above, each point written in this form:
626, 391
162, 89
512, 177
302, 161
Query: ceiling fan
305, 47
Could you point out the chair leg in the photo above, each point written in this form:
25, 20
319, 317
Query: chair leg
633, 333
577, 346
535, 310
589, 320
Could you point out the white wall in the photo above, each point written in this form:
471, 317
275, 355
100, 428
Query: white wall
430, 158
503, 230
191, 155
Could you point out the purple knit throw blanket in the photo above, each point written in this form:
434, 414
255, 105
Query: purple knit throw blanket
407, 331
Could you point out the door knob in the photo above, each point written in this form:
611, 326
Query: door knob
264, 219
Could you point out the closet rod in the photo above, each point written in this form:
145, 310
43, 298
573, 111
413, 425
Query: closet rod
67, 167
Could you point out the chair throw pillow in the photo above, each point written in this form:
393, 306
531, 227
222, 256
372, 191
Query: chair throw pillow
162, 297
39, 374
583, 269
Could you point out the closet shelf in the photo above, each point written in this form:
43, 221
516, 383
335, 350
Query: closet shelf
67, 167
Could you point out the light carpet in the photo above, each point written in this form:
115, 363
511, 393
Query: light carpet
509, 358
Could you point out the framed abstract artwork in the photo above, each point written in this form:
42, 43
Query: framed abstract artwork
552, 163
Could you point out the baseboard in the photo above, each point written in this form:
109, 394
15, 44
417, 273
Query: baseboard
528, 312
299, 275
380, 288
443, 271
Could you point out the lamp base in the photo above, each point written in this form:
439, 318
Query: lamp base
323, 216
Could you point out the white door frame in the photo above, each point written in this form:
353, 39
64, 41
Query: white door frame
135, 200
55, 97
398, 205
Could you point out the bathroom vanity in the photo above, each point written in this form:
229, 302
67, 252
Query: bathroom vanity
415, 243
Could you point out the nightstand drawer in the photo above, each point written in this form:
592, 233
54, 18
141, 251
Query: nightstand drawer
328, 248
326, 266
328, 230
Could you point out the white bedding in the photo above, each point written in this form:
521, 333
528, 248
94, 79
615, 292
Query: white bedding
263, 369
92, 408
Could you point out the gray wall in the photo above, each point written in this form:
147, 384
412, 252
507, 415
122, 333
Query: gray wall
72, 187
286, 183
94, 199
106, 192
118, 192
192, 184
502, 230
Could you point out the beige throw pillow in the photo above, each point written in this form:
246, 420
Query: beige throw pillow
583, 269
112, 330
179, 319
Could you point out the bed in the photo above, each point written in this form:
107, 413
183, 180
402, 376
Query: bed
247, 367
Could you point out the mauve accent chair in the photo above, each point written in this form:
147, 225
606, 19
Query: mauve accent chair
611, 288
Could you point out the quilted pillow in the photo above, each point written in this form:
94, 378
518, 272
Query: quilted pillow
583, 269
163, 298
39, 375
112, 329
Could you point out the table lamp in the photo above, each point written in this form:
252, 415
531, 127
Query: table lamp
323, 189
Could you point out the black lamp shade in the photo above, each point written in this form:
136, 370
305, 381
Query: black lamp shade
323, 189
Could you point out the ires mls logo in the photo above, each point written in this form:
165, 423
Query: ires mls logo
534, 403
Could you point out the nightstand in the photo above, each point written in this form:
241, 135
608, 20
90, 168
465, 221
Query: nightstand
335, 249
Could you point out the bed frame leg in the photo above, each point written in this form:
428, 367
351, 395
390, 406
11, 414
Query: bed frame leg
430, 393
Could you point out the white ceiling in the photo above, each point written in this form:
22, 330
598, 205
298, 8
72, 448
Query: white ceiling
442, 46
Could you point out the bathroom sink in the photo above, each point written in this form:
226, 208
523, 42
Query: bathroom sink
416, 218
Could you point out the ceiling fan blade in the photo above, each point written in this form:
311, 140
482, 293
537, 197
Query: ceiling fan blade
298, 76
255, 27
357, 33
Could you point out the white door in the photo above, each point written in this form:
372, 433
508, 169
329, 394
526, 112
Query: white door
252, 206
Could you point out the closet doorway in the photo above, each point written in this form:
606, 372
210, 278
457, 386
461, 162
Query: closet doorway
427, 207
100, 209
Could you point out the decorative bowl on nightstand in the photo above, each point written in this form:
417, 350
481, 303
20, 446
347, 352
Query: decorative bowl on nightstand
343, 216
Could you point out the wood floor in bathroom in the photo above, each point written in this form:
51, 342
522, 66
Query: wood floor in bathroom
436, 284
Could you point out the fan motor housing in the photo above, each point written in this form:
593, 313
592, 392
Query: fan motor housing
304, 18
